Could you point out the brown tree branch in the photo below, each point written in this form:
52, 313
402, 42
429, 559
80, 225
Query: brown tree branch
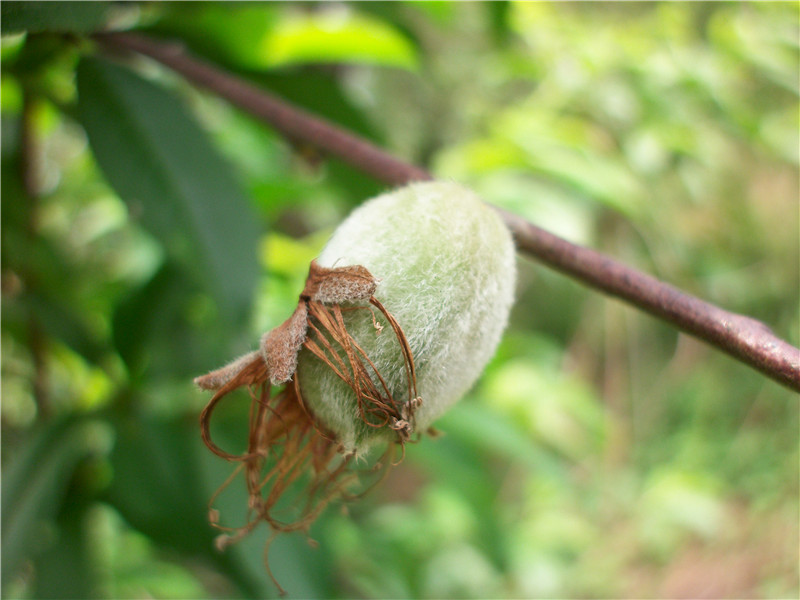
746, 339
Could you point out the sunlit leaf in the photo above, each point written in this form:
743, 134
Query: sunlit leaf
337, 36
230, 32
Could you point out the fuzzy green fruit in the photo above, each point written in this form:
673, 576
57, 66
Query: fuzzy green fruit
445, 264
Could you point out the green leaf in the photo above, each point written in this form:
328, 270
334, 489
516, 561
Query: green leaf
56, 568
36, 17
233, 36
161, 488
61, 321
34, 484
156, 484
226, 32
167, 330
150, 330
333, 37
162, 164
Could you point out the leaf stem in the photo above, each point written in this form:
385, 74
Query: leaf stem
747, 340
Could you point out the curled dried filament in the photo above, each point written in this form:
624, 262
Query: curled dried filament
286, 442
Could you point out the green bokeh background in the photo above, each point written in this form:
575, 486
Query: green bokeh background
150, 232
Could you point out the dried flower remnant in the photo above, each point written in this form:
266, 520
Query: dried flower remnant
398, 317
282, 432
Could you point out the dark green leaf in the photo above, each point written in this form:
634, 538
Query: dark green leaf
151, 332
65, 570
34, 17
34, 484
156, 486
161, 163
230, 32
164, 330
161, 489
60, 321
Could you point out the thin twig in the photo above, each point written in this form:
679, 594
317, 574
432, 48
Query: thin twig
30, 173
746, 339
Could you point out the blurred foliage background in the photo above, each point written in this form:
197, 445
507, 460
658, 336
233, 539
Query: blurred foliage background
150, 232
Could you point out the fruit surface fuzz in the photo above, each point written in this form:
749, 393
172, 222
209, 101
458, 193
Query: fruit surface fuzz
445, 265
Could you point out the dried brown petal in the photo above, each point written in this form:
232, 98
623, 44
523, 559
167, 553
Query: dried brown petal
218, 378
340, 284
280, 346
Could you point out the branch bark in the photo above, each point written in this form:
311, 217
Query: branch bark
742, 337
